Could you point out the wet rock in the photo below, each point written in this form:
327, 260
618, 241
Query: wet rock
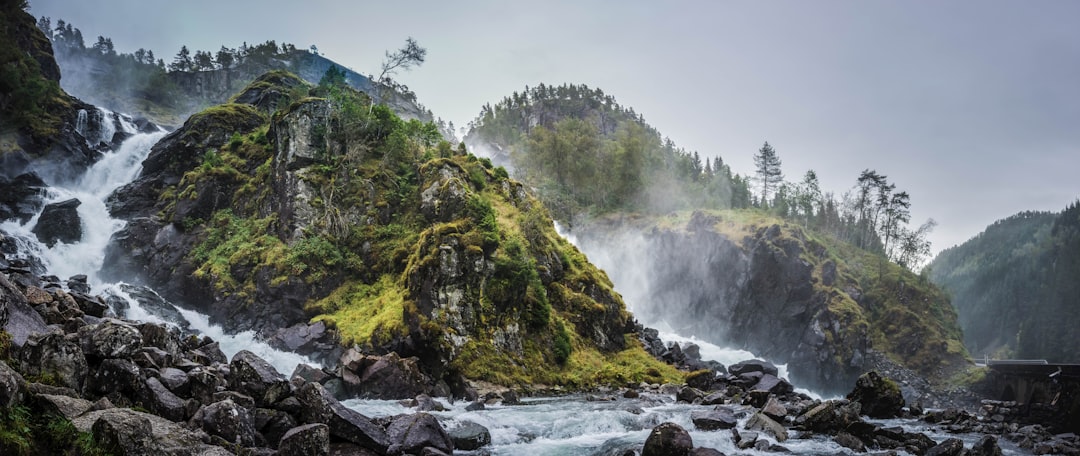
301, 338
306, 440
986, 446
716, 398
753, 365
704, 451
425, 403
702, 380
773, 385
228, 420
305, 373
475, 405
391, 377
204, 383
879, 397
711, 420
11, 386
774, 409
252, 375
689, 395
93, 306
829, 416
849, 441
161, 336
412, 433
744, 440
470, 436
764, 424
668, 439
175, 380
950, 447
21, 197
59, 222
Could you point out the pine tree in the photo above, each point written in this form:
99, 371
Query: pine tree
768, 170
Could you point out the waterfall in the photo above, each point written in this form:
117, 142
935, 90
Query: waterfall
80, 123
86, 256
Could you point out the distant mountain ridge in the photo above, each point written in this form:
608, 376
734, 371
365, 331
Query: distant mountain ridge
1015, 286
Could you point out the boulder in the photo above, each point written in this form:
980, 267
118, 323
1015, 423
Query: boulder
850, 442
56, 356
301, 338
425, 403
668, 439
705, 451
986, 446
762, 423
829, 416
950, 447
701, 380
689, 395
59, 222
110, 339
273, 424
175, 380
773, 385
775, 409
17, 317
228, 420
411, 434
93, 306
879, 397
161, 336
252, 375
161, 401
306, 440
470, 436
318, 406
305, 373
125, 434
114, 376
169, 437
753, 365
711, 420
11, 386
204, 382
390, 377
67, 407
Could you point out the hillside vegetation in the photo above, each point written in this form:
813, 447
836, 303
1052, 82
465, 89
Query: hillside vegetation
1015, 286
312, 205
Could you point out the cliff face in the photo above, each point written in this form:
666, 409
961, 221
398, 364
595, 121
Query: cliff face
749, 281
305, 205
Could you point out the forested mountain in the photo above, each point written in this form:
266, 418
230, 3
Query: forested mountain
1015, 286
585, 153
168, 88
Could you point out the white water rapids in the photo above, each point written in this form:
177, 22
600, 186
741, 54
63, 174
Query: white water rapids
547, 426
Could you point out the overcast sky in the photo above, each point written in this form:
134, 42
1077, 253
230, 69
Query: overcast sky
973, 107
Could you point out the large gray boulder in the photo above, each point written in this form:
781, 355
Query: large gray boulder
411, 434
55, 356
762, 423
17, 317
711, 420
110, 339
668, 439
125, 434
253, 376
161, 401
319, 406
470, 436
59, 222
227, 420
879, 397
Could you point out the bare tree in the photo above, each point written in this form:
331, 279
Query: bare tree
409, 56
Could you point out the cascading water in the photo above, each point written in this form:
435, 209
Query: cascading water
116, 168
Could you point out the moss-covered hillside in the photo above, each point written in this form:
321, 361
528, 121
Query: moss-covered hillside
309, 204
748, 279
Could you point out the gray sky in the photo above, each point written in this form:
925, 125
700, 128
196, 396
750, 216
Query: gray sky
973, 107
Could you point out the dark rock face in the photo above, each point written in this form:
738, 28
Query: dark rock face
668, 439
21, 197
59, 222
878, 396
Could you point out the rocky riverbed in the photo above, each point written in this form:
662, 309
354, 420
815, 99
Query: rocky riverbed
142, 388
